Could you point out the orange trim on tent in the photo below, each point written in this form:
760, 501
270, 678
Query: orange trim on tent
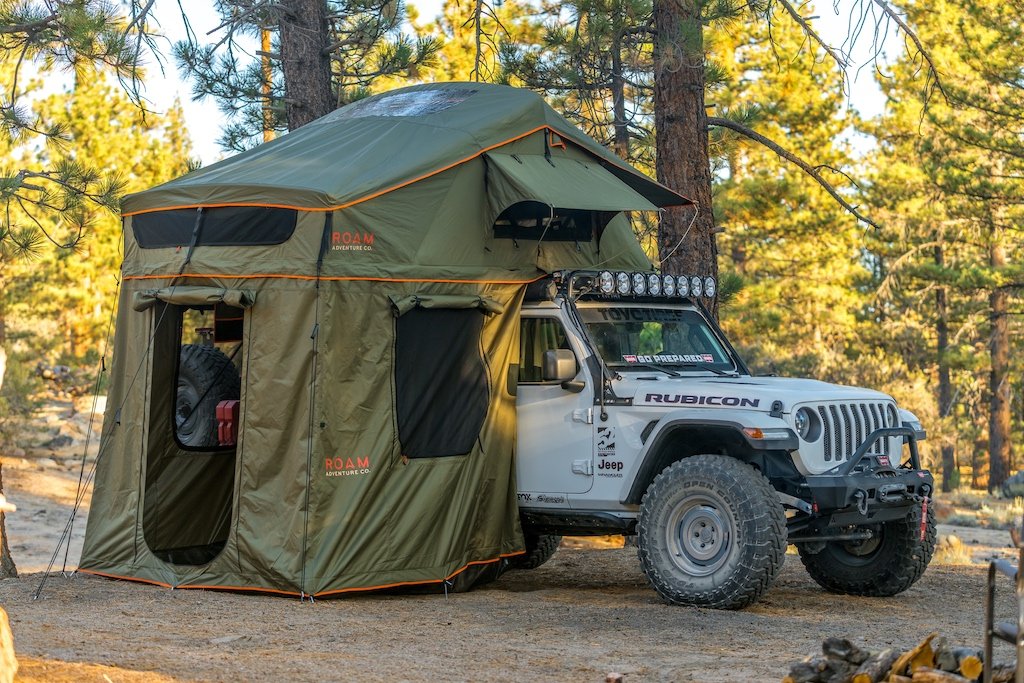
326, 278
274, 591
550, 131
354, 201
420, 583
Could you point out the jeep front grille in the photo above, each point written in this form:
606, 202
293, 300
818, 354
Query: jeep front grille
845, 426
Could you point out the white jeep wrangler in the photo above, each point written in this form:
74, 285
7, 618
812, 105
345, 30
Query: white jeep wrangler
636, 416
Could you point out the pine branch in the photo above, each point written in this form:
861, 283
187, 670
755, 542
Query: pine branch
891, 13
792, 158
837, 56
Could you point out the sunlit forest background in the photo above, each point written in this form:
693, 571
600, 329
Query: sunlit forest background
917, 307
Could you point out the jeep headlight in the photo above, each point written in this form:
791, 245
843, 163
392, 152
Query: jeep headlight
807, 424
893, 415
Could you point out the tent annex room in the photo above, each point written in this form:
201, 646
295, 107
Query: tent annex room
310, 390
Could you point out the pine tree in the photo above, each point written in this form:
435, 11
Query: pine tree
963, 206
324, 54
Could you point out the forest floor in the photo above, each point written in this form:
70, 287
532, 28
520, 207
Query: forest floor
587, 612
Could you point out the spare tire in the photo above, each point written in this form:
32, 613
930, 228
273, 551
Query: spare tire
205, 378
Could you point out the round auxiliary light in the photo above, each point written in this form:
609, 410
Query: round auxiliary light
622, 283
606, 282
668, 285
683, 286
696, 286
654, 284
710, 286
639, 283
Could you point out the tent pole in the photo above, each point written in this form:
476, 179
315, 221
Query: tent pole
314, 337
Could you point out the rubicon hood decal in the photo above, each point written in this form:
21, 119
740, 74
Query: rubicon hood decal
650, 398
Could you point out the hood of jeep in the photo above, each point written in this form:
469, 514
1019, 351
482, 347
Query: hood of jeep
751, 393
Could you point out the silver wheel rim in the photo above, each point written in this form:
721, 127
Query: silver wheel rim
699, 536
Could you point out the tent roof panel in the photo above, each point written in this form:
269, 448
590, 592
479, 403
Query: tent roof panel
380, 144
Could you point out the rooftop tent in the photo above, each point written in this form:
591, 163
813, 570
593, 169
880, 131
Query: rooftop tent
310, 384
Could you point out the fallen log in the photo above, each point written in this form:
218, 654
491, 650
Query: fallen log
927, 675
967, 661
876, 667
916, 658
819, 670
841, 648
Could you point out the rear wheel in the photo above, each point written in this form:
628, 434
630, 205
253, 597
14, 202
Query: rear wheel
711, 532
205, 378
539, 549
885, 564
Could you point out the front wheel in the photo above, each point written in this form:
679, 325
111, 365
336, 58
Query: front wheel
886, 564
711, 532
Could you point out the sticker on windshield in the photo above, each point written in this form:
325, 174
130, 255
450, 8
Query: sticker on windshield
671, 358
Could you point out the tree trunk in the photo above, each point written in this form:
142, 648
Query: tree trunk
945, 387
7, 568
305, 61
682, 140
621, 143
999, 379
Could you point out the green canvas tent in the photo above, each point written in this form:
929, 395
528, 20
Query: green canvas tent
310, 391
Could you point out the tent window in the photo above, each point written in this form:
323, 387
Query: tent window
538, 335
193, 429
236, 226
532, 220
440, 380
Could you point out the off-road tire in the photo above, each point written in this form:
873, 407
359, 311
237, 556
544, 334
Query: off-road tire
711, 499
539, 549
205, 378
898, 559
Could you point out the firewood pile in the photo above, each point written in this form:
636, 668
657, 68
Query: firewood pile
933, 660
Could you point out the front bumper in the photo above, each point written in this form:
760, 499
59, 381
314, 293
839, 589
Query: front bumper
856, 494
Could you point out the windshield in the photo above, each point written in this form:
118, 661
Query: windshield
639, 335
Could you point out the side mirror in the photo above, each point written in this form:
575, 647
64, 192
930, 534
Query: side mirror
559, 365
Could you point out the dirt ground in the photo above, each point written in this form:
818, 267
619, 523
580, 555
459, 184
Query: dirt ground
586, 613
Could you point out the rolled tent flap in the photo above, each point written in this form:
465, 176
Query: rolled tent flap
403, 305
561, 182
193, 296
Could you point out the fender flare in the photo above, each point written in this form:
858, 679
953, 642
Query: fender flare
648, 459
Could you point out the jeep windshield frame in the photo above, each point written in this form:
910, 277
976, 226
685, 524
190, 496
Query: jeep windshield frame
633, 336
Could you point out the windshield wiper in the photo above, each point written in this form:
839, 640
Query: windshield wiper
652, 366
701, 366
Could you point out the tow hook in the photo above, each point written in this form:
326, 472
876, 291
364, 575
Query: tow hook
861, 498
892, 493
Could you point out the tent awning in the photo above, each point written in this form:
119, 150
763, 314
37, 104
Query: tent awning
193, 296
560, 182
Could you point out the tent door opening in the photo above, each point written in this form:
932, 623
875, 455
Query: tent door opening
195, 388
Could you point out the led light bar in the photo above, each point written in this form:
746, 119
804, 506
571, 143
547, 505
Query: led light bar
624, 283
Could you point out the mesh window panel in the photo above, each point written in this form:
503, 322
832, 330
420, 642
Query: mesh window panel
441, 381
222, 227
